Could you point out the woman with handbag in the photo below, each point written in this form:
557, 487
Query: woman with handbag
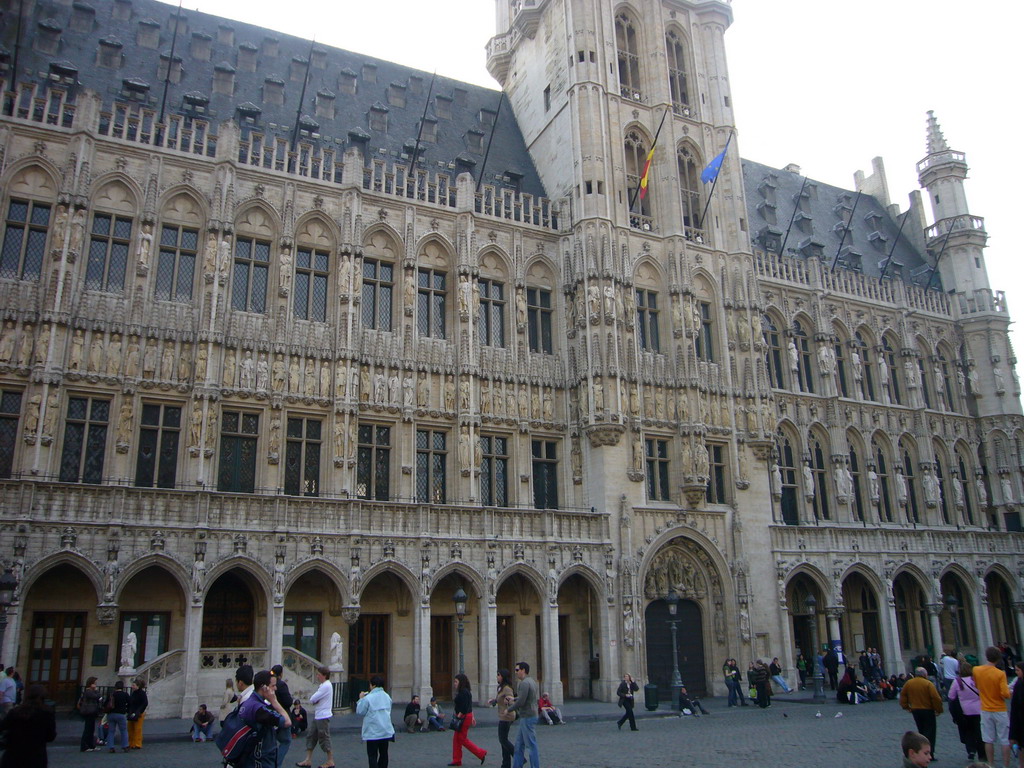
965, 709
627, 688
505, 718
89, 708
137, 703
462, 721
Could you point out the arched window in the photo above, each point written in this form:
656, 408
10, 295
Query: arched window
251, 269
636, 155
803, 348
773, 352
965, 479
27, 223
884, 495
110, 239
312, 271
867, 367
858, 493
913, 509
819, 472
675, 50
944, 502
378, 281
627, 50
179, 248
690, 193
893, 373
842, 372
787, 471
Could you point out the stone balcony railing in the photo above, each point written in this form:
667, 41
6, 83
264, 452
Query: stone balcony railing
100, 505
925, 540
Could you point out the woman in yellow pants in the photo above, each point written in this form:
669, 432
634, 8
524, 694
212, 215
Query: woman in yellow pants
137, 703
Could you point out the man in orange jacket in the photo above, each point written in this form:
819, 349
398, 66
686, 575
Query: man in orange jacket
922, 699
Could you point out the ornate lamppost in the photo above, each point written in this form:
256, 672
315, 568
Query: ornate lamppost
819, 682
673, 622
460, 611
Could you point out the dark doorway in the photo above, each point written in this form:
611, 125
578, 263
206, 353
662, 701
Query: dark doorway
56, 657
690, 646
228, 614
368, 648
563, 652
442, 670
505, 646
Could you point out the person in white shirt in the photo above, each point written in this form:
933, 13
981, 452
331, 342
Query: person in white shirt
243, 681
320, 727
8, 691
950, 669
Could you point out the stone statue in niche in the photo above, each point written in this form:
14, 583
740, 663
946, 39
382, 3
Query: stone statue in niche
247, 372
228, 379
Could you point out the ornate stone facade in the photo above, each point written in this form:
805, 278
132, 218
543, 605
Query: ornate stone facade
259, 393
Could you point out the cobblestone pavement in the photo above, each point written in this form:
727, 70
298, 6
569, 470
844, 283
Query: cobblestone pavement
787, 735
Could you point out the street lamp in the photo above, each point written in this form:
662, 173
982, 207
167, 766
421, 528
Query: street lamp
8, 586
673, 622
819, 682
460, 599
952, 605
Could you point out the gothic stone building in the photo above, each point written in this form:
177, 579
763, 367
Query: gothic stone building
297, 343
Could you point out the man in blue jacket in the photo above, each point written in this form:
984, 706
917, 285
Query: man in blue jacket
263, 712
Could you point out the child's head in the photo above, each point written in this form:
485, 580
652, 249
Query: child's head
917, 749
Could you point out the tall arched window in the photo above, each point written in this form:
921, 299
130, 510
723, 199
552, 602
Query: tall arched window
819, 471
842, 371
965, 479
913, 508
867, 367
627, 50
803, 350
675, 50
773, 352
787, 470
944, 501
858, 493
894, 372
689, 190
636, 155
882, 469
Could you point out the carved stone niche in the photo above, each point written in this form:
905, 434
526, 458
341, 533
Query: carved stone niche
695, 492
686, 568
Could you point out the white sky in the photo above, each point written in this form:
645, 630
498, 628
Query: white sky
826, 85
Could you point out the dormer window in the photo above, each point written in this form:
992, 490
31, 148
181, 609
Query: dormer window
370, 73
48, 37
812, 249
879, 240
347, 82
175, 67
248, 113
429, 130
148, 34
83, 17
487, 117
475, 140
378, 118
201, 46
109, 53
325, 103
195, 102
273, 90
298, 68
271, 46
63, 72
770, 239
396, 95
134, 88
247, 57
804, 222
850, 259
443, 107
224, 79
768, 211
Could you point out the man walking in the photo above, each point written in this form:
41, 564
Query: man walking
950, 669
320, 729
526, 705
920, 697
284, 696
993, 692
8, 691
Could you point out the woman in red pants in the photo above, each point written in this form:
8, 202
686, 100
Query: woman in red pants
463, 710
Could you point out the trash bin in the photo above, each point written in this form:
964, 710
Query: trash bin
651, 697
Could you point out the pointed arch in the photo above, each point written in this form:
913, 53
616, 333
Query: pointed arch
820, 450
787, 459
34, 177
841, 342
63, 557
907, 460
28, 218
689, 164
395, 568
113, 236
890, 372
800, 362
707, 339
531, 575
183, 204
815, 575
383, 239
628, 44
318, 230
636, 145
160, 560
862, 360
882, 466
677, 52
463, 569
435, 282
118, 192
324, 566
251, 568
381, 270
585, 572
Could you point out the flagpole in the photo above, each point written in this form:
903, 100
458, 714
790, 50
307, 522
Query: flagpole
654, 143
892, 250
423, 119
714, 182
487, 153
846, 231
170, 64
942, 250
302, 96
792, 218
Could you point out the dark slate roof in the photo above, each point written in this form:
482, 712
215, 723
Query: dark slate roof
818, 226
120, 21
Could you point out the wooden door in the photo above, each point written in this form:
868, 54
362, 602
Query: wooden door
58, 640
442, 653
506, 649
369, 648
228, 614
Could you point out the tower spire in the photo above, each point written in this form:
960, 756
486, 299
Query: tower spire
936, 141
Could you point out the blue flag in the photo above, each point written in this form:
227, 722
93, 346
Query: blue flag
711, 172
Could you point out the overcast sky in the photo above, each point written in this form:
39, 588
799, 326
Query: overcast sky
826, 85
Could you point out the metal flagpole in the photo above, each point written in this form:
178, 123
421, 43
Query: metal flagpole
931, 273
885, 267
657, 133
487, 152
792, 218
714, 183
846, 231
170, 63
302, 94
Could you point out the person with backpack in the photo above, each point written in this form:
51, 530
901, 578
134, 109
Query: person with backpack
965, 709
284, 735
263, 713
89, 708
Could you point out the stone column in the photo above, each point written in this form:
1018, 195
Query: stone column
275, 634
549, 644
934, 609
488, 640
892, 659
193, 659
1018, 614
982, 622
833, 613
11, 633
421, 660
